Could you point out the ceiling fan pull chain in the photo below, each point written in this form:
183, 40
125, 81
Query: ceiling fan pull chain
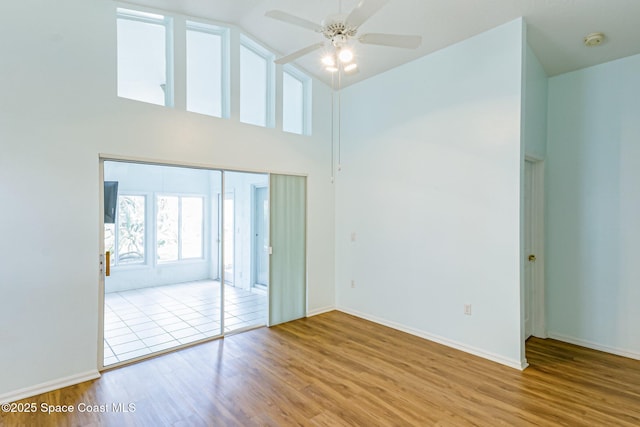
333, 117
339, 121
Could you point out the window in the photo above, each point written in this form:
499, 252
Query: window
126, 238
256, 87
145, 71
180, 221
206, 69
143, 65
296, 102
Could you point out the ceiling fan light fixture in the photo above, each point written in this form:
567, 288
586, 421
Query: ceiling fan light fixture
350, 67
345, 55
332, 69
329, 60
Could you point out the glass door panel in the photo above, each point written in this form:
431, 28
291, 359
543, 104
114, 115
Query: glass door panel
245, 305
161, 229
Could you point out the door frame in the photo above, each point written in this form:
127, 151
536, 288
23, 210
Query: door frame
254, 245
102, 263
223, 274
538, 311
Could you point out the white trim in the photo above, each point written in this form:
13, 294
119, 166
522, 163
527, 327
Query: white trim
595, 346
45, 387
102, 270
169, 46
512, 363
192, 165
322, 310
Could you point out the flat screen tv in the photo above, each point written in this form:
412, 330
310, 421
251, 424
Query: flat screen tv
110, 201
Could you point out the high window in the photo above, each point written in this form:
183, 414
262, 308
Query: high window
144, 68
180, 223
256, 84
206, 69
145, 71
126, 238
296, 102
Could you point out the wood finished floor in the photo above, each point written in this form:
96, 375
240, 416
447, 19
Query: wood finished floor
335, 370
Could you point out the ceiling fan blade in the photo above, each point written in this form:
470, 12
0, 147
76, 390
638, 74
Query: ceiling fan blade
299, 53
363, 11
291, 19
393, 40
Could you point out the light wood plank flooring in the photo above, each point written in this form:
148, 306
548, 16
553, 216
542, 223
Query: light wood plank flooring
335, 370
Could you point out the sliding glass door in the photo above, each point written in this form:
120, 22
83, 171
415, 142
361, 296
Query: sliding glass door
195, 254
161, 233
245, 305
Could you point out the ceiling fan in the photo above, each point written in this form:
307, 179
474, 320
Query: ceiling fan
340, 29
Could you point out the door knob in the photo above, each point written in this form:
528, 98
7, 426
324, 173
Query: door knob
532, 258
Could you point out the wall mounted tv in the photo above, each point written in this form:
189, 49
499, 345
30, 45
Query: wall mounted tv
110, 201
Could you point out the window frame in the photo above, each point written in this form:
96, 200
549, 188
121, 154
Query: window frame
307, 101
269, 57
150, 17
225, 62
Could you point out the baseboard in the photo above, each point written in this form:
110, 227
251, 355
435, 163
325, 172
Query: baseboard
594, 346
317, 311
512, 363
45, 387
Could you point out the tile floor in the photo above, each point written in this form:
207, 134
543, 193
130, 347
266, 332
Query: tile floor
147, 320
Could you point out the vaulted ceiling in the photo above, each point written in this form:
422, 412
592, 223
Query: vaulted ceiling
555, 27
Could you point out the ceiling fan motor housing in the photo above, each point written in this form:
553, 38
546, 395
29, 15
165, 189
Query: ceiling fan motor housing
336, 29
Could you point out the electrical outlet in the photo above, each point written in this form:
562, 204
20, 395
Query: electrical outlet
467, 309
353, 236
353, 283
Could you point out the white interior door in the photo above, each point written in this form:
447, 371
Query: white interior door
528, 250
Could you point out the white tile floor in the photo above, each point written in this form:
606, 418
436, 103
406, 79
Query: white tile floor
147, 320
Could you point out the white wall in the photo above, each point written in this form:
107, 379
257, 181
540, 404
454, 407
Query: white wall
593, 207
431, 188
58, 111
